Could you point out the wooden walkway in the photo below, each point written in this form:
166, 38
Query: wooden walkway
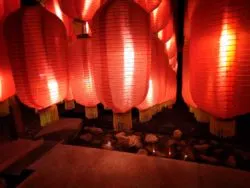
72, 166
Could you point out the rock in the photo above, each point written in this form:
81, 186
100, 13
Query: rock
211, 160
177, 134
96, 142
142, 152
95, 130
107, 146
151, 138
231, 161
202, 141
201, 147
135, 141
150, 148
214, 142
120, 134
182, 143
171, 142
86, 137
218, 151
138, 134
123, 141
160, 154
189, 153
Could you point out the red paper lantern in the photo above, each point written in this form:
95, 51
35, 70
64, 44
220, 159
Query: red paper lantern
81, 78
155, 84
171, 85
54, 7
219, 55
166, 33
160, 16
121, 41
148, 5
81, 9
38, 56
186, 93
7, 87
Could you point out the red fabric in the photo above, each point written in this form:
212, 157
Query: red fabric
166, 33
7, 87
81, 9
160, 16
121, 64
219, 57
81, 77
148, 5
54, 7
38, 56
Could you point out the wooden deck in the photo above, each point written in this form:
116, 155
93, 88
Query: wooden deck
72, 166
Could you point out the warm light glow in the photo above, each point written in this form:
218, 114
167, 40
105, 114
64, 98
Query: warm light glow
155, 13
58, 10
170, 42
227, 46
129, 60
86, 6
160, 34
88, 82
87, 28
1, 85
150, 94
53, 90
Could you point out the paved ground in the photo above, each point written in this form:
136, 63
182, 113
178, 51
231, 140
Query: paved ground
72, 166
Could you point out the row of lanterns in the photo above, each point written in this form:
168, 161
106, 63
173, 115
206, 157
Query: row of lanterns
216, 61
129, 61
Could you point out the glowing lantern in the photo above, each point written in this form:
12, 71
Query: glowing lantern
54, 7
155, 85
166, 33
148, 5
81, 78
7, 87
186, 93
219, 57
121, 44
38, 56
171, 85
160, 16
80, 9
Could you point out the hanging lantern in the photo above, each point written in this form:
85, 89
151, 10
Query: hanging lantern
81, 77
219, 68
81, 9
148, 5
166, 33
121, 52
54, 7
154, 89
186, 93
7, 87
160, 16
171, 85
37, 55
